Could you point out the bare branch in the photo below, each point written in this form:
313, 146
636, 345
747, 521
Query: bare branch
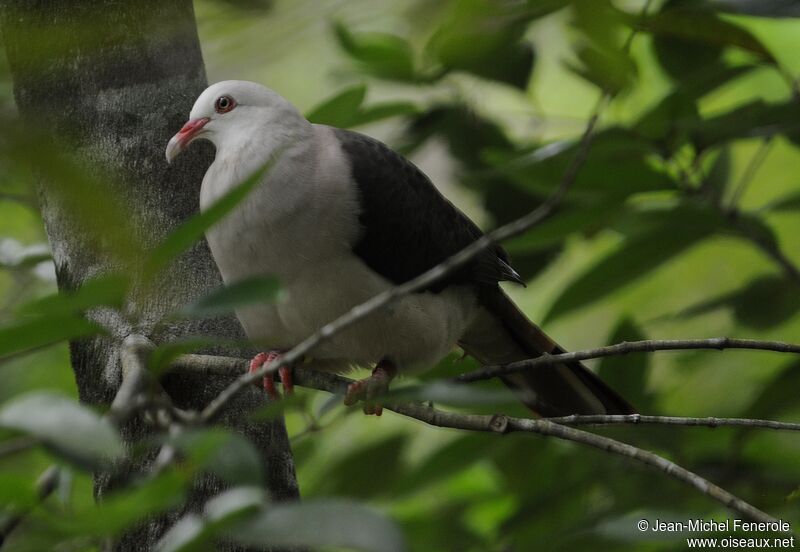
640, 419
646, 346
211, 365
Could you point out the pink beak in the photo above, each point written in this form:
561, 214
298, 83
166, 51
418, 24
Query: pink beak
183, 138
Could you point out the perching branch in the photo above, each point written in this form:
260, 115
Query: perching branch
646, 346
213, 365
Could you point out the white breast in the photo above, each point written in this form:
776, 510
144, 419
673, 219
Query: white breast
300, 225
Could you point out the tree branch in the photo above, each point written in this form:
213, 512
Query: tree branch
640, 419
648, 346
332, 383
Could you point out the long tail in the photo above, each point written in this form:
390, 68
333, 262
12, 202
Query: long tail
503, 334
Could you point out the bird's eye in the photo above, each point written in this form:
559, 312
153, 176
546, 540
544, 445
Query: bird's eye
224, 104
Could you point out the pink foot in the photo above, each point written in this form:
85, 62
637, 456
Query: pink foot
285, 373
372, 388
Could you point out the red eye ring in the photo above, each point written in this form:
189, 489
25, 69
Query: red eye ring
224, 104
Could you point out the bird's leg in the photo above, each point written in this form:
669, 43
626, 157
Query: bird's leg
285, 373
372, 388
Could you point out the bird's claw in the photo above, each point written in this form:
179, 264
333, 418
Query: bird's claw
371, 389
285, 373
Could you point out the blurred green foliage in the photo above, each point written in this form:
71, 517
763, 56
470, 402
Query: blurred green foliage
682, 223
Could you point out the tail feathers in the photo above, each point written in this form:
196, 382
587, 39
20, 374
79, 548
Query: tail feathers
502, 334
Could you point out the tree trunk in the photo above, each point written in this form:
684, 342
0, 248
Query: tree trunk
115, 79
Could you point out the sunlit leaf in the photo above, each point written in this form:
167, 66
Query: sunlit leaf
70, 429
640, 254
336, 523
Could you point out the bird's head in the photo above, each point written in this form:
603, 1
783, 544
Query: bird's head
228, 112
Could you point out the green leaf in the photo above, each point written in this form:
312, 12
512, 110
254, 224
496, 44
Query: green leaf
754, 119
716, 181
609, 70
764, 302
251, 291
571, 219
790, 202
702, 26
122, 509
602, 60
342, 108
191, 231
335, 523
69, 429
59, 316
107, 291
665, 236
668, 122
761, 8
382, 55
485, 38
385, 110
618, 165
44, 330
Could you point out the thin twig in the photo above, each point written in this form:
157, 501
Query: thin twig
646, 346
750, 171
640, 419
332, 383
